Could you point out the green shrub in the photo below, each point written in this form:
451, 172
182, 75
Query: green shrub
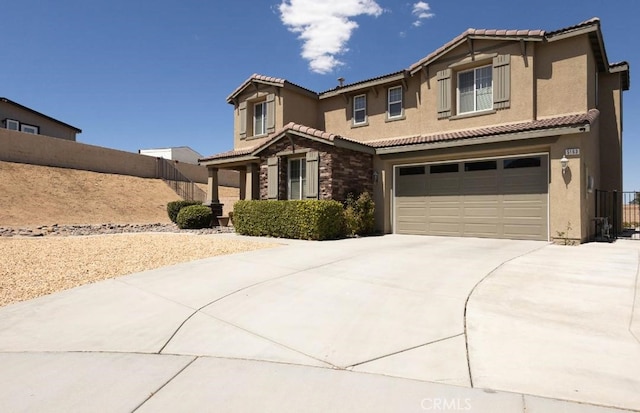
359, 214
194, 217
174, 207
308, 219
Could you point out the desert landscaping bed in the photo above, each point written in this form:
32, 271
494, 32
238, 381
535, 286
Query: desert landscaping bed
32, 267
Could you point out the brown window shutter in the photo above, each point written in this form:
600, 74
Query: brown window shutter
311, 187
271, 113
444, 93
272, 178
501, 81
242, 113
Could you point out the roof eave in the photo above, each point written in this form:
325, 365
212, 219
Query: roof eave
415, 68
228, 162
394, 77
541, 133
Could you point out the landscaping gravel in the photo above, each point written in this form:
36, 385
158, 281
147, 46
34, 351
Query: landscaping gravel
32, 267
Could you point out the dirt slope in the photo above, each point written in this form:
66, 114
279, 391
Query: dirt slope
32, 195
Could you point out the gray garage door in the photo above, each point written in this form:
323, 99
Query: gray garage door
492, 198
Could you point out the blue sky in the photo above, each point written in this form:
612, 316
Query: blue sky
142, 74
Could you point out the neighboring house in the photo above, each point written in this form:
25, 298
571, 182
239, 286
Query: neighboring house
469, 141
179, 153
20, 118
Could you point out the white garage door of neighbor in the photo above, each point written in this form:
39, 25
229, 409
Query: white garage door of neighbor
491, 198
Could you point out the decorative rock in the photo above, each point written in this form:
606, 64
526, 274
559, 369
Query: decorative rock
83, 230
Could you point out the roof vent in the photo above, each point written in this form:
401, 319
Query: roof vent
340, 81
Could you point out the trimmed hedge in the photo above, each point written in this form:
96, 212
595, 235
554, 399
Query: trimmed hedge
174, 207
194, 217
308, 219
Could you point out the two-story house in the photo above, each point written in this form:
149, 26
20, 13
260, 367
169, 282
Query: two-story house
16, 117
498, 133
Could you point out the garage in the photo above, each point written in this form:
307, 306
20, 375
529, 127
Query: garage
503, 197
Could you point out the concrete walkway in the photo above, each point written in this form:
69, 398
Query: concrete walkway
376, 324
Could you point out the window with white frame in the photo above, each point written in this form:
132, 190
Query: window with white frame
29, 129
260, 118
394, 102
359, 109
475, 90
12, 124
297, 178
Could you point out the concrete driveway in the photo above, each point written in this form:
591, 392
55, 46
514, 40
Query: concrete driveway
394, 323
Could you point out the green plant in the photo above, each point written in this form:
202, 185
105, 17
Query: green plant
308, 219
359, 214
174, 207
564, 235
194, 217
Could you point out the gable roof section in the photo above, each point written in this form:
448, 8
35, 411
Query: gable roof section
255, 79
312, 134
548, 125
5, 100
292, 129
470, 34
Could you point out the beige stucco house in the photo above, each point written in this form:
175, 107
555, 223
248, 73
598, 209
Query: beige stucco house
498, 133
16, 117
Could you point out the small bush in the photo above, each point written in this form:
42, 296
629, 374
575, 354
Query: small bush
359, 214
308, 219
174, 207
194, 217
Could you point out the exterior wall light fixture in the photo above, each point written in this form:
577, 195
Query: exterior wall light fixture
565, 163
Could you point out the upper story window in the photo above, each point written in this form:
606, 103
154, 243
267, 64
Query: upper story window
12, 124
480, 90
29, 129
260, 118
475, 90
394, 102
360, 109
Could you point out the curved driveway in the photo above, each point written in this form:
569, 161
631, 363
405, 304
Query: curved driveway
372, 324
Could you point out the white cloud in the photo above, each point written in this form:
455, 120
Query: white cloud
421, 11
325, 27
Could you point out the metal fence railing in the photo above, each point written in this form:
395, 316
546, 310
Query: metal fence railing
631, 210
177, 181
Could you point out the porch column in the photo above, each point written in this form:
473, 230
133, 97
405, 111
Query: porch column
252, 181
243, 183
212, 187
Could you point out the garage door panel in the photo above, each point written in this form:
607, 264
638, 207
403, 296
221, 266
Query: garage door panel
445, 228
480, 202
483, 230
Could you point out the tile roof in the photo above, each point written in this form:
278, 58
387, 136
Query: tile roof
289, 127
473, 33
540, 124
593, 20
228, 154
266, 79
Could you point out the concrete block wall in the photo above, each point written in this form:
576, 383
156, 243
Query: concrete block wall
47, 151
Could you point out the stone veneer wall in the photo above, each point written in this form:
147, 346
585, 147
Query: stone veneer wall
341, 170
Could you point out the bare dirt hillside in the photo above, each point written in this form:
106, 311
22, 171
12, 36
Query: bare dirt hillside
32, 195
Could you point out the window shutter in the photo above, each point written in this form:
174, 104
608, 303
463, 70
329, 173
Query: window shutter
271, 113
272, 178
501, 81
311, 188
242, 112
444, 93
